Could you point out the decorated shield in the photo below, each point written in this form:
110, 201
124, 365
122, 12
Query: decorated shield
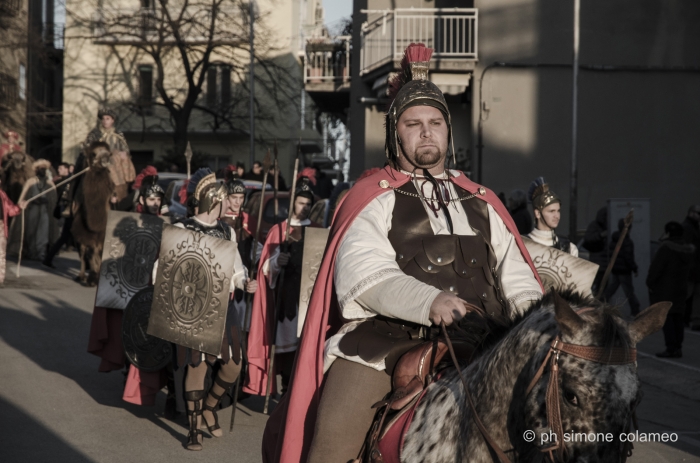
192, 288
561, 270
130, 248
314, 246
147, 352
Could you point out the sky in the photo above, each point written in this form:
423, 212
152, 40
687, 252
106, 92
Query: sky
336, 10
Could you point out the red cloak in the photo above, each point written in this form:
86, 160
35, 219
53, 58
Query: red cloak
289, 430
260, 338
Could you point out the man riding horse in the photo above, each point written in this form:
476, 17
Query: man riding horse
412, 246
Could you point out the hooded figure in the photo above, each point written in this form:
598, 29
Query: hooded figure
37, 212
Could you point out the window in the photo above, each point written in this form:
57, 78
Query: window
211, 87
145, 84
8, 91
225, 86
10, 7
219, 86
22, 82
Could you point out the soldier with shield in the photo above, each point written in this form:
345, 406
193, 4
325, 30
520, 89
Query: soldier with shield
192, 280
547, 209
281, 254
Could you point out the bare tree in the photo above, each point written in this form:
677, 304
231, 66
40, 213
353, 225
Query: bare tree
188, 42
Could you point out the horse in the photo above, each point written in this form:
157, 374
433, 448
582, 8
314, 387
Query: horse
509, 385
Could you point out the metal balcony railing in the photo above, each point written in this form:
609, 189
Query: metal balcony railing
327, 59
450, 32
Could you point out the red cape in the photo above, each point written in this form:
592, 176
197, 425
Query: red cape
290, 429
261, 327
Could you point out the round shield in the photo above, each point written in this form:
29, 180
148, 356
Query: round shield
147, 352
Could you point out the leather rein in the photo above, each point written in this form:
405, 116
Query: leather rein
606, 356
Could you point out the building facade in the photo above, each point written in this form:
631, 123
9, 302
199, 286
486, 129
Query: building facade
108, 62
506, 69
13, 67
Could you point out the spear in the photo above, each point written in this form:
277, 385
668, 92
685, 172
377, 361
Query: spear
628, 221
280, 281
267, 162
21, 242
188, 156
276, 182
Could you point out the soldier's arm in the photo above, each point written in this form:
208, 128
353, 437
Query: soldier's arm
518, 283
368, 279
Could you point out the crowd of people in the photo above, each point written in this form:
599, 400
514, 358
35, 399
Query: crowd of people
673, 275
413, 245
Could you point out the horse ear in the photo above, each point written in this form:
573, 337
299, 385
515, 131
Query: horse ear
569, 322
649, 321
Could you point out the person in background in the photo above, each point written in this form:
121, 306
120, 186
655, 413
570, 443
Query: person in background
622, 270
281, 184
7, 209
256, 172
517, 206
691, 235
240, 170
668, 273
11, 144
595, 241
37, 211
547, 208
62, 211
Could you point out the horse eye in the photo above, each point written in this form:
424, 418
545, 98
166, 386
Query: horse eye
571, 398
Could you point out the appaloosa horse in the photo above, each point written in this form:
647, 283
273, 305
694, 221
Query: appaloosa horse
594, 392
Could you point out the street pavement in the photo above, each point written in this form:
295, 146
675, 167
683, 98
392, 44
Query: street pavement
55, 407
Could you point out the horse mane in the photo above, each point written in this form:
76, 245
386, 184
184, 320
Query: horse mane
612, 335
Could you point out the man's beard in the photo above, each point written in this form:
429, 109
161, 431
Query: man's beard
426, 158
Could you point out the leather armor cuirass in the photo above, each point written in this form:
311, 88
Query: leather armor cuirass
463, 265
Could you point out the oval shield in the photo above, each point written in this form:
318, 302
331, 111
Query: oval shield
147, 352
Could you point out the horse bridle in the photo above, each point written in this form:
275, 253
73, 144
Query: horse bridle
605, 356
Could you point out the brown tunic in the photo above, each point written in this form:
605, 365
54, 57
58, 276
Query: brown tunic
459, 264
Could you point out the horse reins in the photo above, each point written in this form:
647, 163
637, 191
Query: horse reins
602, 355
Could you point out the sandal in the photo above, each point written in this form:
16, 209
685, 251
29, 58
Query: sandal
195, 436
215, 430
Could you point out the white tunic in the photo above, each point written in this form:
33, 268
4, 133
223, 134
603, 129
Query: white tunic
366, 258
286, 339
546, 238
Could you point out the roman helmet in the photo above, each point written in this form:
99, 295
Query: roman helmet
411, 87
303, 188
540, 195
209, 193
150, 188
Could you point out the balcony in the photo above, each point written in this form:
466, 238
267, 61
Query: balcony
451, 32
327, 71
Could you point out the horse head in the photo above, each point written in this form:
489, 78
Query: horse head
585, 389
560, 383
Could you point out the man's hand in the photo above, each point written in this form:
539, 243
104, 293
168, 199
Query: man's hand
251, 285
283, 259
447, 308
22, 204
